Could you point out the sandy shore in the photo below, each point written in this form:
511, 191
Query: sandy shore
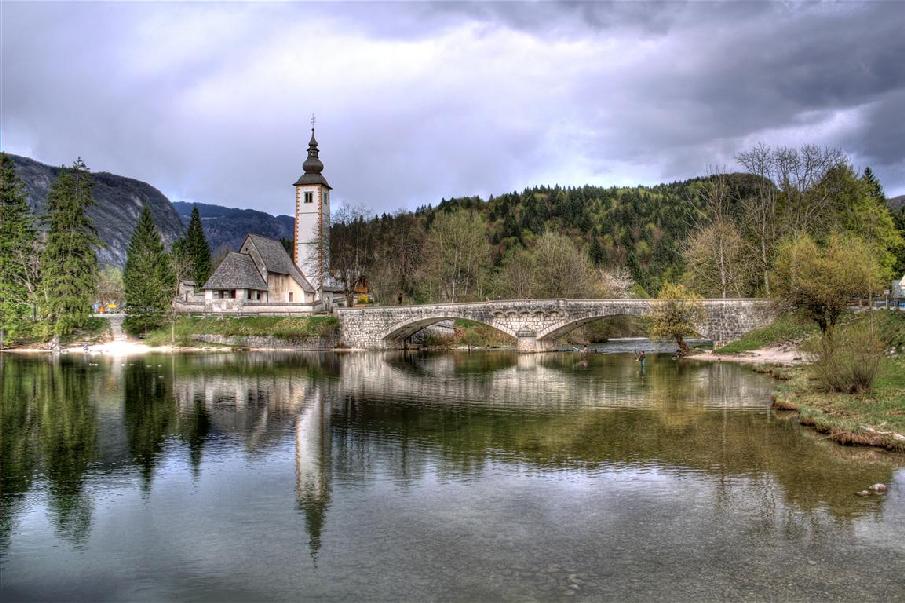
113, 348
784, 356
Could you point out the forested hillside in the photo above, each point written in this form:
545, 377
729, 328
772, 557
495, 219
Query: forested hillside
718, 234
640, 228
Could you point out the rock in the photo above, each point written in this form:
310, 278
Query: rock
862, 493
878, 488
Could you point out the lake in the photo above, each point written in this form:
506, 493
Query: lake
448, 476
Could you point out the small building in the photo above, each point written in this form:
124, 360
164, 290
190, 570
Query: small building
261, 272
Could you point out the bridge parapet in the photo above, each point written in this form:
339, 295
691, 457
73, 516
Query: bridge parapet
535, 323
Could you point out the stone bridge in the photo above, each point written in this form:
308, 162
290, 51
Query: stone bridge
536, 324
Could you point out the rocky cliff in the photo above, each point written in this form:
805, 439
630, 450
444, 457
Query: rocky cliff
118, 203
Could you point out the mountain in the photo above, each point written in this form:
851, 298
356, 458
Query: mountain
227, 227
118, 201
896, 202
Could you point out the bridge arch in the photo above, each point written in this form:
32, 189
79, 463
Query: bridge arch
408, 327
567, 324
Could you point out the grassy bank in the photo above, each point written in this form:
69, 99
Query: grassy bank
788, 329
292, 329
875, 418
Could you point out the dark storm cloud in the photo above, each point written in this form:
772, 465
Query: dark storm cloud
418, 101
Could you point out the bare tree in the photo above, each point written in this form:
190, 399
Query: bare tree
351, 248
789, 195
457, 255
715, 255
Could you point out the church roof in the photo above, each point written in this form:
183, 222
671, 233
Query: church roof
276, 260
313, 166
236, 271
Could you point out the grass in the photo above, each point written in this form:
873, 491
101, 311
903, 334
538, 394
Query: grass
869, 418
874, 417
292, 329
787, 329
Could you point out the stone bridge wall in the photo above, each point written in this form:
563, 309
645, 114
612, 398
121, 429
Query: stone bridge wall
535, 323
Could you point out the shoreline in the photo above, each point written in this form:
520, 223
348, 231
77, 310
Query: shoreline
774, 355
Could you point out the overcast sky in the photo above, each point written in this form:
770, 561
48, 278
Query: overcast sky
418, 101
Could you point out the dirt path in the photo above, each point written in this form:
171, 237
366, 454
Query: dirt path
783, 355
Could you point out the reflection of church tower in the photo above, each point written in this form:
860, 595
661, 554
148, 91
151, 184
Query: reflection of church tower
312, 218
312, 467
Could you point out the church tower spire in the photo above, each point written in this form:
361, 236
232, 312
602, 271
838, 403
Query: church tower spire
312, 217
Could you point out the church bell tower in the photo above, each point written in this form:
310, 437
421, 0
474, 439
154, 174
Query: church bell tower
312, 219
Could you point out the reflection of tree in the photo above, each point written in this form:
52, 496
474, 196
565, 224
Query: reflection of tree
48, 424
459, 427
151, 414
68, 438
18, 426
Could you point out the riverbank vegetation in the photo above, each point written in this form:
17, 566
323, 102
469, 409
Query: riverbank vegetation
875, 417
853, 386
186, 330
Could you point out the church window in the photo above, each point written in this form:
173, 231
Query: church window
309, 197
290, 296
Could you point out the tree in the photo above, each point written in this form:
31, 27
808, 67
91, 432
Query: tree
785, 197
197, 249
716, 259
18, 250
677, 315
899, 219
68, 264
822, 281
351, 249
859, 209
457, 255
149, 280
553, 267
717, 262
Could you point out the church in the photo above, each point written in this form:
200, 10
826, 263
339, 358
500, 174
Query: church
262, 278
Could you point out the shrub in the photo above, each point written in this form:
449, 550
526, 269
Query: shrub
847, 359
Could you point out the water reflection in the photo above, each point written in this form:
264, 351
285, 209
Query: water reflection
361, 430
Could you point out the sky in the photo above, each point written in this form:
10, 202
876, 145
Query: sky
417, 101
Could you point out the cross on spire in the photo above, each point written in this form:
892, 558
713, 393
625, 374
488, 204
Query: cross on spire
313, 121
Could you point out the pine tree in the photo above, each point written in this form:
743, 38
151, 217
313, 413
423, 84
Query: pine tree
198, 250
68, 264
149, 280
875, 189
18, 243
